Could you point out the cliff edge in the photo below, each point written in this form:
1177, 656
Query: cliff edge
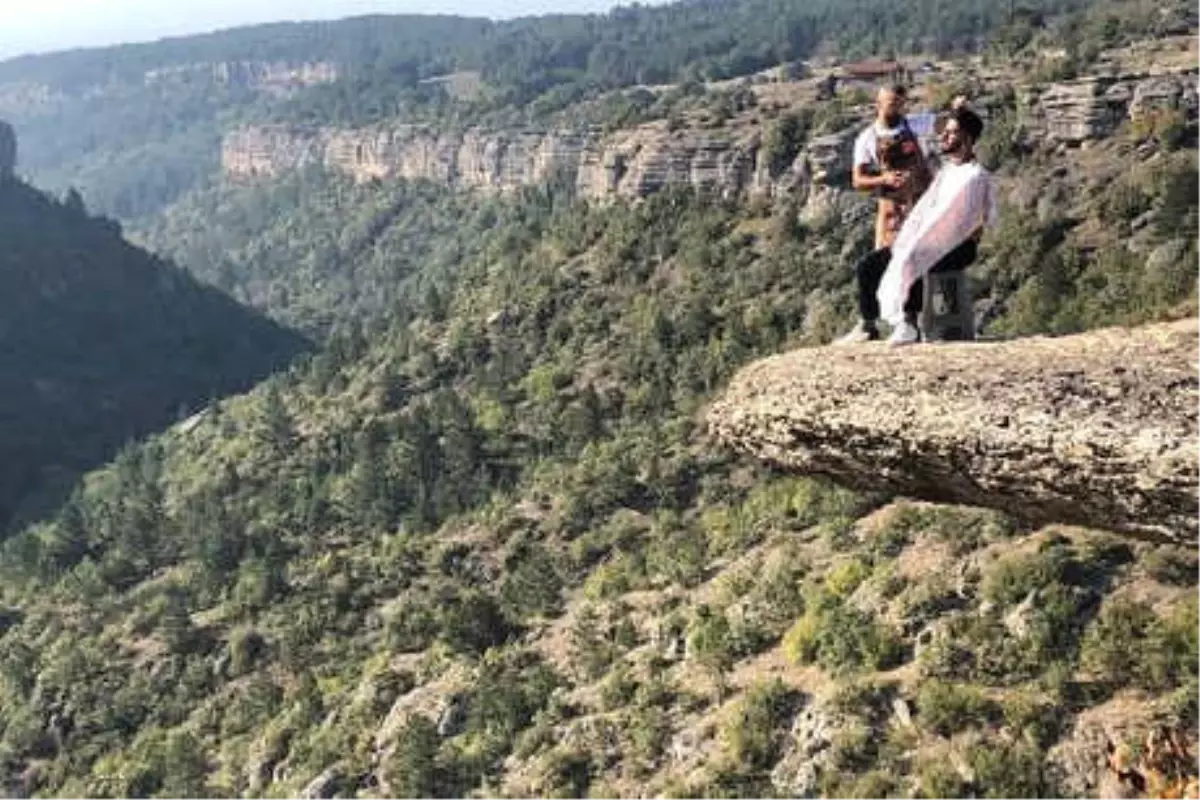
1097, 429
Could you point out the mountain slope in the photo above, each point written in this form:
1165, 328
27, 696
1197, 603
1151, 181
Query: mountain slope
103, 343
482, 546
134, 127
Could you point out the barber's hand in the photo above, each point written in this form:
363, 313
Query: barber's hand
959, 102
894, 180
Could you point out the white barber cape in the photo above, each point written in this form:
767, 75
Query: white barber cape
958, 202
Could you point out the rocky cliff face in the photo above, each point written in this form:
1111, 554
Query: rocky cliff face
274, 77
636, 162
632, 163
8, 150
1092, 107
1097, 429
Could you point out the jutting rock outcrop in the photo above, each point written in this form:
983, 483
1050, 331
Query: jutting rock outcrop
1097, 429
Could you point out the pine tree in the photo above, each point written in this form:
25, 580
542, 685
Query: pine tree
275, 428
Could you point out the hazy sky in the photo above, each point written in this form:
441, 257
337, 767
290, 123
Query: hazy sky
42, 25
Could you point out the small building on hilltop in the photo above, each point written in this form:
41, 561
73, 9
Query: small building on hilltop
873, 73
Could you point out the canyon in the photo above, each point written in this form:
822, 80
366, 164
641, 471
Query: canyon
728, 160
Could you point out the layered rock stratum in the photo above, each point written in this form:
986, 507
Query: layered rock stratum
632, 163
1097, 429
635, 162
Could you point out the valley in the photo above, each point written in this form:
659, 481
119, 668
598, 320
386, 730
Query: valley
508, 459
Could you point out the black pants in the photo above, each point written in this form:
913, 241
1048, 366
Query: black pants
870, 272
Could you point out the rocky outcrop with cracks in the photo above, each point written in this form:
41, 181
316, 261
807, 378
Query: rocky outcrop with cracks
1097, 429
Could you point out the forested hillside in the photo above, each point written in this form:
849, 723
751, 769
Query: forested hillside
103, 343
477, 541
478, 544
134, 127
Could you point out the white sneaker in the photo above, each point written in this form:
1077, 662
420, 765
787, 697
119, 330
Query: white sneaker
904, 333
862, 333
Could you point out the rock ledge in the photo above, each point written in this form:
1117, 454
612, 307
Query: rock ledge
1097, 429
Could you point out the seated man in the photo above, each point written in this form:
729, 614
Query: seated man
932, 236
890, 164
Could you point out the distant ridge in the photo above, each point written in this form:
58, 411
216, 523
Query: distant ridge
102, 343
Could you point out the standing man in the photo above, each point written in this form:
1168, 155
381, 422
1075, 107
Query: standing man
889, 163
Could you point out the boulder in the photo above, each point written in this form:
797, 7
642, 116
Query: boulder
829, 157
453, 719
1154, 94
1075, 111
798, 772
1097, 429
324, 786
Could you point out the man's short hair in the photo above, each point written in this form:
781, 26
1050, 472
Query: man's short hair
899, 89
968, 122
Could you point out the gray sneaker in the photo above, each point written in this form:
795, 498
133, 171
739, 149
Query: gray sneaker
904, 334
863, 332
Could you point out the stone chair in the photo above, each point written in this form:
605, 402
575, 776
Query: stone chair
947, 313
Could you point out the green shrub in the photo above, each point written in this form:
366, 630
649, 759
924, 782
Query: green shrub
815, 500
648, 732
246, 646
783, 139
620, 574
512, 687
532, 586
937, 777
677, 552
566, 773
592, 647
618, 688
753, 736
1013, 578
868, 699
874, 784
1008, 769
473, 622
778, 591
965, 529
1112, 647
841, 638
1124, 201
801, 642
890, 582
412, 626
1040, 722
1167, 126
926, 601
853, 748
1128, 644
947, 708
710, 642
891, 540
981, 648
843, 579
413, 769
1182, 706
